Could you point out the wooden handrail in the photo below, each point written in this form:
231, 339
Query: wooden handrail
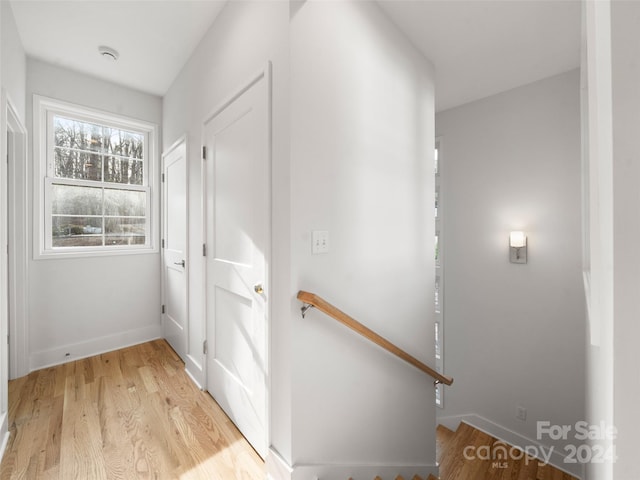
333, 312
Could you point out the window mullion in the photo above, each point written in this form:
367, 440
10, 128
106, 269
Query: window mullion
104, 226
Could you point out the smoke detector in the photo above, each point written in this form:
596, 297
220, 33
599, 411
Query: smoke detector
108, 53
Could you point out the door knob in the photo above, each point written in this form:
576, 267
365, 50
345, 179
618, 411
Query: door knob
180, 263
258, 288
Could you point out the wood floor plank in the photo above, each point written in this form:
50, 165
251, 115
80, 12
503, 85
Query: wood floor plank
116, 446
54, 434
129, 414
81, 446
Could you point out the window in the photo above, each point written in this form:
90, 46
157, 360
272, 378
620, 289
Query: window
96, 172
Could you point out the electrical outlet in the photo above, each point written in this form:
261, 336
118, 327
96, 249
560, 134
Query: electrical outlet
521, 413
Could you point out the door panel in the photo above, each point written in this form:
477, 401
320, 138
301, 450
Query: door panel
238, 217
233, 352
174, 253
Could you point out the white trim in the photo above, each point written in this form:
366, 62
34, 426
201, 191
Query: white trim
195, 371
18, 176
277, 467
439, 267
4, 270
340, 472
194, 379
268, 73
512, 438
263, 73
4, 427
95, 346
43, 109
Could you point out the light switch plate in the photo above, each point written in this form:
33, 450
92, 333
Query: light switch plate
319, 242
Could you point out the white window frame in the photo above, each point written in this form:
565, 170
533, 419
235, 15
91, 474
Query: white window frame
439, 271
44, 109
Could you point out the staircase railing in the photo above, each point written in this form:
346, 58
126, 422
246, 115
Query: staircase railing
313, 300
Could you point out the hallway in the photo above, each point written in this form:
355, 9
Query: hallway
131, 413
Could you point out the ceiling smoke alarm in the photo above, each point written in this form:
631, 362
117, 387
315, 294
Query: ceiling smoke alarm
108, 53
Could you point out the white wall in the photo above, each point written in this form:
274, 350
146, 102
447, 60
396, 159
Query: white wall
84, 306
514, 334
14, 61
242, 39
362, 168
625, 51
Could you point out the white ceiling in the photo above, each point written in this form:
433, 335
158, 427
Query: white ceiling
483, 47
154, 37
478, 47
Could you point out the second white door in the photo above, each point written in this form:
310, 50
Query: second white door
174, 278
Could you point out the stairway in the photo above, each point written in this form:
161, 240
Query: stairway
450, 451
450, 454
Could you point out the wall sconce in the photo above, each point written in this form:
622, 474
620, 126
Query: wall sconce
517, 247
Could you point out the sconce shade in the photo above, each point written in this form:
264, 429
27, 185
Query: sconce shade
517, 239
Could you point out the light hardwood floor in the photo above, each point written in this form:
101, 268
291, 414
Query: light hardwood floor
450, 448
128, 414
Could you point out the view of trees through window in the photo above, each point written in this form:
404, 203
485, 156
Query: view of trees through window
95, 152
97, 193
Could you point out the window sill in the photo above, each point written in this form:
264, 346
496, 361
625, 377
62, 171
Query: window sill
79, 253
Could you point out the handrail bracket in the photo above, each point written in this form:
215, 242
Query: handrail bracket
304, 308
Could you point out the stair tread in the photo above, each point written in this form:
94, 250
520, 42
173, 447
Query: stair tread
444, 430
443, 438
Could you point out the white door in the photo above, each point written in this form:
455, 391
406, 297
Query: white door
174, 251
238, 218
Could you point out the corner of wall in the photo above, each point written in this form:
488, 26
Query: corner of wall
95, 346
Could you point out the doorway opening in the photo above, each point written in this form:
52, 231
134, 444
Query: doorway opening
17, 223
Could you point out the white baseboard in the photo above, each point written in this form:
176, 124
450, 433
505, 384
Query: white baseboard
279, 469
95, 346
361, 472
512, 438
